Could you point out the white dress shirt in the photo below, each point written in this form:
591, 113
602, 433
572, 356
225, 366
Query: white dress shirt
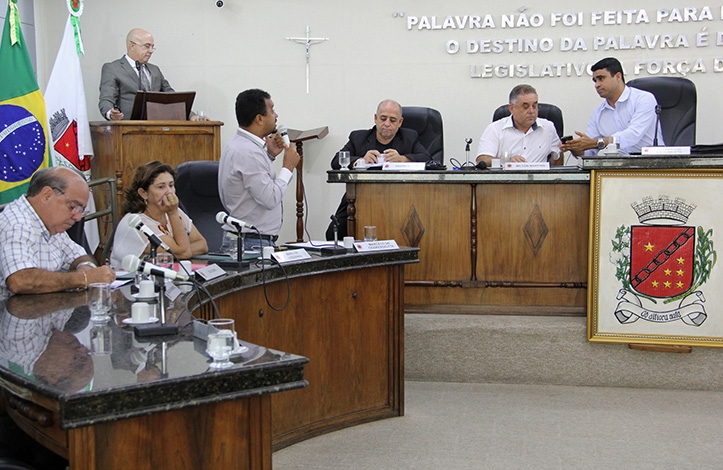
631, 121
535, 145
248, 185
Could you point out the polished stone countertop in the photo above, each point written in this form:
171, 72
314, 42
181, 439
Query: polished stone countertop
52, 355
653, 162
256, 273
555, 175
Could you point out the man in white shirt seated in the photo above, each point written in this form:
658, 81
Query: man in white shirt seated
36, 255
627, 115
522, 136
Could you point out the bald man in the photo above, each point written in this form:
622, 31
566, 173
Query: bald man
119, 80
386, 141
36, 255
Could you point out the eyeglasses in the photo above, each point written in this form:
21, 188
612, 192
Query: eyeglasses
74, 206
145, 46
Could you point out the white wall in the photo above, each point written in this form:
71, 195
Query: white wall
371, 55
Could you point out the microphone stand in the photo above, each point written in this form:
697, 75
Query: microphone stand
239, 263
657, 124
336, 249
162, 328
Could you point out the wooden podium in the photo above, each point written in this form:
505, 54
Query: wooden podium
121, 146
299, 137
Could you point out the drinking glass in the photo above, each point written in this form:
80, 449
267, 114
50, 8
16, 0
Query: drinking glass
101, 340
230, 244
344, 159
164, 260
221, 342
99, 301
370, 233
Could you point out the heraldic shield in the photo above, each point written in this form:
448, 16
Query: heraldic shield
661, 259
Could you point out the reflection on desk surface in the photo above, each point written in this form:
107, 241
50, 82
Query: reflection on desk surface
48, 340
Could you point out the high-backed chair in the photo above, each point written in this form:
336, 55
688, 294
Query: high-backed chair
678, 99
197, 189
544, 110
428, 124
108, 216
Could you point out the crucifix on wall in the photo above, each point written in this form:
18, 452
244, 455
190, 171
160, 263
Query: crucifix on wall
307, 42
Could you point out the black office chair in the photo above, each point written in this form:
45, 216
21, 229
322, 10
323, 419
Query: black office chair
544, 110
678, 99
428, 124
197, 190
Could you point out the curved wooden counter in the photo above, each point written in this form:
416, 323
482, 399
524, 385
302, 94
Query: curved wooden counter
346, 314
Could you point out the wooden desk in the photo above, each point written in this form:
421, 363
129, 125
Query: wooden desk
346, 314
345, 311
108, 401
490, 242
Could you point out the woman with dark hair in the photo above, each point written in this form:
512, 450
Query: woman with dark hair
153, 196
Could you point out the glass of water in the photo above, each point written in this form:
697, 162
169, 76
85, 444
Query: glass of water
99, 301
221, 342
164, 260
344, 159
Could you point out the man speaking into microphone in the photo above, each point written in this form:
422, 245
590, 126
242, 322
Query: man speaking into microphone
249, 187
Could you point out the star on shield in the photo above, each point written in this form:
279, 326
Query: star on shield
661, 259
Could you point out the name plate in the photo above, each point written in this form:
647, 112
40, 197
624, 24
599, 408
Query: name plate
379, 245
212, 271
291, 255
682, 150
172, 292
527, 166
406, 166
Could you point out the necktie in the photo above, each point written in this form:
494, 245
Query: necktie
143, 83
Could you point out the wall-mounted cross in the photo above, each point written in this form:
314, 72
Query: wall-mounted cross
307, 42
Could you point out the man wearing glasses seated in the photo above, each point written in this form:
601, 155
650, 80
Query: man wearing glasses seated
522, 135
36, 255
122, 78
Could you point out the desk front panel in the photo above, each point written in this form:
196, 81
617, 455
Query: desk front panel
485, 245
350, 326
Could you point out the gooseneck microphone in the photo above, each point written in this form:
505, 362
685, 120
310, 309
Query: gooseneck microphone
131, 263
657, 123
224, 218
284, 133
134, 220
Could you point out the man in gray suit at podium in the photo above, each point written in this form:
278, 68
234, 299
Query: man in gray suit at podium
122, 78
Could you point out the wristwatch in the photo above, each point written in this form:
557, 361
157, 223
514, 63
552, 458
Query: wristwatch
600, 143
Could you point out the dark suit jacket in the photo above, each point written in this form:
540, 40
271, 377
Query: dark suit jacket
119, 83
406, 142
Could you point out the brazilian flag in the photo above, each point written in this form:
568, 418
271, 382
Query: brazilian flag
23, 137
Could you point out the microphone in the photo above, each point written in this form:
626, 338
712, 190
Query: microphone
224, 218
284, 133
135, 221
467, 141
657, 123
481, 165
132, 263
